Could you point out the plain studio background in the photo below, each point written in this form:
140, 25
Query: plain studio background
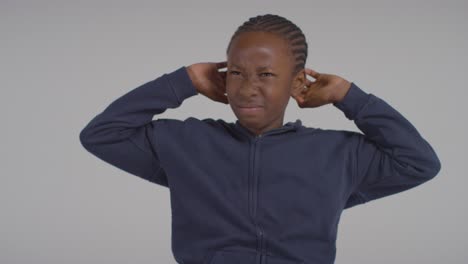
63, 62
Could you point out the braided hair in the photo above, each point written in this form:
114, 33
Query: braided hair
282, 27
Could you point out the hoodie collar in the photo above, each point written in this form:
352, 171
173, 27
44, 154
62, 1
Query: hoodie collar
289, 126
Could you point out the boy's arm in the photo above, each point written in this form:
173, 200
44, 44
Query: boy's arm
123, 134
391, 156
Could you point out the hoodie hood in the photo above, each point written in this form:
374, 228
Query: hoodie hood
287, 127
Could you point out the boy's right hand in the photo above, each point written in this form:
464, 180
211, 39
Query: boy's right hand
208, 80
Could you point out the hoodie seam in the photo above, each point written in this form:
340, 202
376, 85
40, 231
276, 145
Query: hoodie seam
179, 101
156, 173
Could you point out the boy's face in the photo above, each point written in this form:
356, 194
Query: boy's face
259, 74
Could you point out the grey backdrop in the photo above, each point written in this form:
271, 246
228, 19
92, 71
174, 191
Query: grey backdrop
62, 62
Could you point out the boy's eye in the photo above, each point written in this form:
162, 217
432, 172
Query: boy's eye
234, 72
271, 74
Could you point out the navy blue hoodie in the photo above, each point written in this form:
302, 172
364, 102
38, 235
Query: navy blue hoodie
273, 198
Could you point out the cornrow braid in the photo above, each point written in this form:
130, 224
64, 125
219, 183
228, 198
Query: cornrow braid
283, 28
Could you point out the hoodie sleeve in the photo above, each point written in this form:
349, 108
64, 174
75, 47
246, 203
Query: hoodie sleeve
391, 156
123, 134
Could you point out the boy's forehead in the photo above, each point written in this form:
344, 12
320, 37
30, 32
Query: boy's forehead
258, 65
258, 52
257, 57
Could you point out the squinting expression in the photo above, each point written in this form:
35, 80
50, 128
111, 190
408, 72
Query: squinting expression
259, 79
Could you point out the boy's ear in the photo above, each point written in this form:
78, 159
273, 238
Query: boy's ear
299, 80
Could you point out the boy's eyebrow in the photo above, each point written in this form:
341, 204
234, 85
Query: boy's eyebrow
258, 68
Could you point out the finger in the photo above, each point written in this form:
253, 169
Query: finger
223, 75
303, 95
221, 64
295, 96
220, 97
299, 91
309, 85
312, 73
299, 97
220, 85
299, 100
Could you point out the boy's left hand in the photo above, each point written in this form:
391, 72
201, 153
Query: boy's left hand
326, 89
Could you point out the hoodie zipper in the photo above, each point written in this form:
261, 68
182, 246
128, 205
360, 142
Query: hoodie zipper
260, 231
